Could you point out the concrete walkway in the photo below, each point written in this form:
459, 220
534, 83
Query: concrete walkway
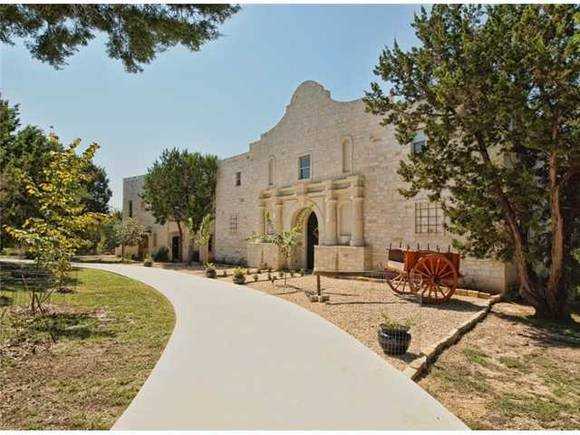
242, 359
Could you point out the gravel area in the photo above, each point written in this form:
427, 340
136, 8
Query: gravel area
356, 307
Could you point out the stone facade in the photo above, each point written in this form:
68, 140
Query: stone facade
350, 185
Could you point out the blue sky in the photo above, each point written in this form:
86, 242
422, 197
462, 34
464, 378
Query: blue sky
214, 101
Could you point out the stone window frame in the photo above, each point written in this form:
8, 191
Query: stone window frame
300, 168
429, 218
238, 181
233, 223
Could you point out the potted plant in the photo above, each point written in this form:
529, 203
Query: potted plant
239, 276
394, 336
210, 271
148, 262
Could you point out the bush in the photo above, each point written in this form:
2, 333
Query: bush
239, 275
161, 255
148, 262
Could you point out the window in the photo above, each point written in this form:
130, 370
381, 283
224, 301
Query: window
304, 167
428, 218
418, 144
271, 171
130, 208
234, 223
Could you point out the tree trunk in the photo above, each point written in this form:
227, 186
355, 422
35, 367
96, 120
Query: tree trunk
180, 240
549, 303
556, 294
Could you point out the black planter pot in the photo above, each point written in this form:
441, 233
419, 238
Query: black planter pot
211, 273
394, 341
239, 280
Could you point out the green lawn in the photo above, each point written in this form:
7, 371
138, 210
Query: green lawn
80, 365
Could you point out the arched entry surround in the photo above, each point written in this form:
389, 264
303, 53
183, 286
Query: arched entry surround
301, 217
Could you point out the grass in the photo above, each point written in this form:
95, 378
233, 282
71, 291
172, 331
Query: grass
79, 365
511, 372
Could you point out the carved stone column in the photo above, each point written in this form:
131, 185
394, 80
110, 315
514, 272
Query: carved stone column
357, 234
331, 225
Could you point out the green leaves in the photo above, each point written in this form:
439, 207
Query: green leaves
495, 90
180, 187
54, 234
136, 33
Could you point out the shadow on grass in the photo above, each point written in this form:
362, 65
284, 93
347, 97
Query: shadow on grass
68, 325
546, 333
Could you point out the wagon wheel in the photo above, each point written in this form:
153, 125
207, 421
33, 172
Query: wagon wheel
434, 278
398, 281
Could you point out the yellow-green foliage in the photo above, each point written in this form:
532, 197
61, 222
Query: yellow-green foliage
53, 236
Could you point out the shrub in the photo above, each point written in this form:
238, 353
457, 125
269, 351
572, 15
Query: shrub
161, 255
148, 262
239, 276
388, 323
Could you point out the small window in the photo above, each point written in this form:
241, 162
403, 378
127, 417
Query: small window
130, 208
304, 167
418, 144
234, 223
238, 178
428, 217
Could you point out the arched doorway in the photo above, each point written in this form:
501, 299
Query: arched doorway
311, 239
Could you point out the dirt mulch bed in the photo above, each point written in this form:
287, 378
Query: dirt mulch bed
511, 372
356, 307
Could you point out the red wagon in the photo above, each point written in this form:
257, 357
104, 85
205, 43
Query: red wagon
431, 275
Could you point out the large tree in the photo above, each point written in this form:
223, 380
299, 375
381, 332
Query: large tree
24, 154
98, 193
495, 90
180, 188
136, 33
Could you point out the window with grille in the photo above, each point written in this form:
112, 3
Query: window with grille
419, 143
238, 178
304, 167
428, 218
233, 223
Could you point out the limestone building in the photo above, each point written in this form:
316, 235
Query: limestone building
331, 167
